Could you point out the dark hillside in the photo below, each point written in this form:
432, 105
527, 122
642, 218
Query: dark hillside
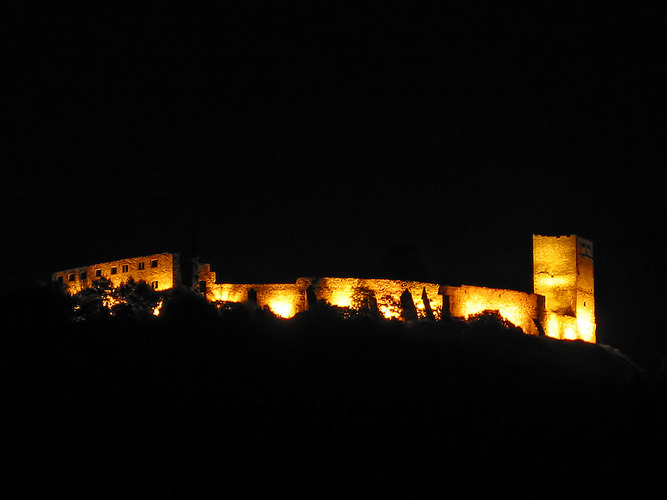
198, 402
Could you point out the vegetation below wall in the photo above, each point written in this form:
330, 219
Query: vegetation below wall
197, 402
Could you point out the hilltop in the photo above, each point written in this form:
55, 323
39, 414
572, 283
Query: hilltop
332, 403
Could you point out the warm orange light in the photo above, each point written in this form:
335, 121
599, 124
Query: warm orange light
229, 293
389, 310
282, 307
342, 292
563, 274
157, 270
520, 309
552, 326
108, 301
354, 292
508, 311
559, 326
586, 329
547, 282
569, 333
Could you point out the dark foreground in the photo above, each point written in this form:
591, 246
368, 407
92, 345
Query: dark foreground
241, 405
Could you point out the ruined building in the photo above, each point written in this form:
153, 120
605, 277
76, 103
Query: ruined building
561, 306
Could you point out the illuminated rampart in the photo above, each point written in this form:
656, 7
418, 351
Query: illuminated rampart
286, 300
519, 308
283, 299
563, 305
358, 292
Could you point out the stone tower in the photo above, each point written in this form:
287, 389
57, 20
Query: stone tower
563, 273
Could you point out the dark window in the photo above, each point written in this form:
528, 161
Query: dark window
98, 273
154, 263
59, 280
114, 270
71, 277
141, 265
126, 268
154, 285
84, 275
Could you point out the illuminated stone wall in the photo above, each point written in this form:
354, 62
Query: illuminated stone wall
354, 293
160, 270
563, 273
563, 302
286, 300
283, 299
519, 308
554, 272
207, 283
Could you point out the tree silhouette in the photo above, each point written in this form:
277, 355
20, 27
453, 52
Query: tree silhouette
103, 299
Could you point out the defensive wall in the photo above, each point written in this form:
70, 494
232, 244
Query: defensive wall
286, 300
283, 299
525, 310
385, 294
562, 305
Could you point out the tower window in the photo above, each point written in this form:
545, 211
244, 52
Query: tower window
98, 273
71, 277
126, 268
154, 285
142, 265
83, 275
114, 270
154, 263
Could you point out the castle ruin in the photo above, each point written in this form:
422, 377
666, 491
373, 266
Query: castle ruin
562, 304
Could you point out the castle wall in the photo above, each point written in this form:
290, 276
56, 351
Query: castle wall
355, 293
160, 270
283, 299
563, 303
519, 308
288, 299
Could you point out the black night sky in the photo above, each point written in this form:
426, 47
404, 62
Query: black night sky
302, 140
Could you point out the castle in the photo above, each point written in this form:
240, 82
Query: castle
562, 304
